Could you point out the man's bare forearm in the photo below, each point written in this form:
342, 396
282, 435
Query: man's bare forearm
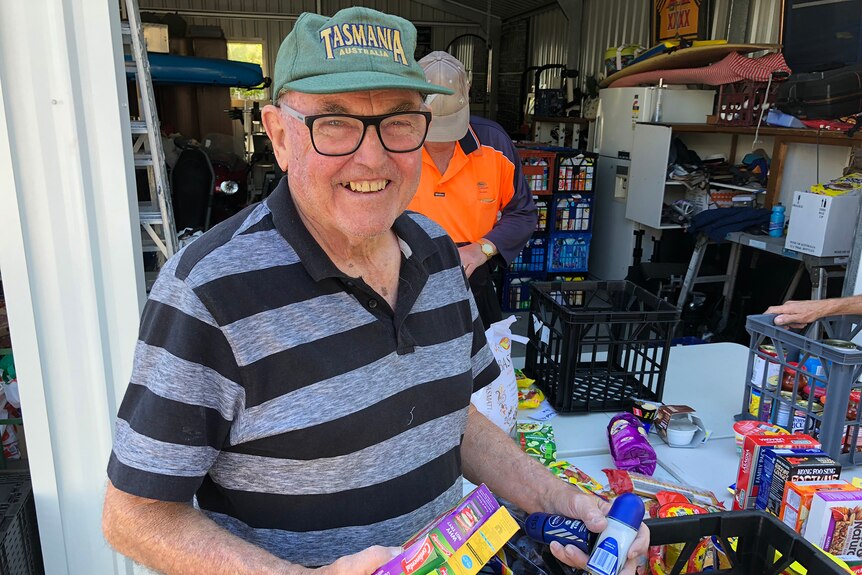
490, 456
177, 539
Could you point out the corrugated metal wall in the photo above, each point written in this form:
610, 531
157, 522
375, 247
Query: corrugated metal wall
605, 23
764, 21
263, 22
616, 22
549, 35
610, 23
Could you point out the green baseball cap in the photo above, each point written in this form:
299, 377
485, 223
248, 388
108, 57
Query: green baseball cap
356, 49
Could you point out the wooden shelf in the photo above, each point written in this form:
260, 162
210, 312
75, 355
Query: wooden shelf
782, 137
789, 133
561, 119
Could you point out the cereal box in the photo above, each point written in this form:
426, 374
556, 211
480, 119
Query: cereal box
438, 540
796, 501
769, 457
751, 463
797, 467
835, 522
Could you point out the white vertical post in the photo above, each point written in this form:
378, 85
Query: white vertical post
69, 256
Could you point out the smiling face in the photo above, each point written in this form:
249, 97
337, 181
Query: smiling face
350, 198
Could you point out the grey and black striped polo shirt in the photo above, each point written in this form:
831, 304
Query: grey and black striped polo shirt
304, 415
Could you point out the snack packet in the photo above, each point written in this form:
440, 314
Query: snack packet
530, 398
629, 445
537, 440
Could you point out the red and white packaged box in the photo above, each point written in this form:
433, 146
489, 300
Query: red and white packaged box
751, 463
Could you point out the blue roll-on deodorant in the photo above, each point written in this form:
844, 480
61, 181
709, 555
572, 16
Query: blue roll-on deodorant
624, 520
546, 527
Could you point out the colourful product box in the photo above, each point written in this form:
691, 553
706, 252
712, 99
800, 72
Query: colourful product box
438, 540
769, 457
482, 545
796, 502
751, 463
835, 522
796, 467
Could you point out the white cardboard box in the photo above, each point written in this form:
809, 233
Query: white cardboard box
822, 225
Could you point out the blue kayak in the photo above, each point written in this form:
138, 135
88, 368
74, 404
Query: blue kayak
172, 69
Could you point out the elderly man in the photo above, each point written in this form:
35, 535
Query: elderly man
472, 183
304, 369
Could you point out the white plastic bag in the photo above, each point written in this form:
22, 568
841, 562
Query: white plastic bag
498, 401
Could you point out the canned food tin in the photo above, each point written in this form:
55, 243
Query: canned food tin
840, 344
771, 368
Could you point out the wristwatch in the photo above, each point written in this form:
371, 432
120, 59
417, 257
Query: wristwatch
488, 249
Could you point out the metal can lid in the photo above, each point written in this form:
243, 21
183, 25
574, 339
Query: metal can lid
839, 343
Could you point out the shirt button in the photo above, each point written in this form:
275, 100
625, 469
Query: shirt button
372, 303
349, 284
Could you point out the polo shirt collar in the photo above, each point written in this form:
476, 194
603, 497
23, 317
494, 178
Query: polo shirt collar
469, 143
287, 222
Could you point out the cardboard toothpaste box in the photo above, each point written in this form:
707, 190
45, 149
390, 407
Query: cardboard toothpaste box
440, 538
748, 478
485, 542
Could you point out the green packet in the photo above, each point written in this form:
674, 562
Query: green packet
537, 441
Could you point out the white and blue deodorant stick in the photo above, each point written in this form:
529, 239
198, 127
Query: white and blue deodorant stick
624, 520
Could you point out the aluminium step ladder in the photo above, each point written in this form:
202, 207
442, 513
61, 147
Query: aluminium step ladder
156, 216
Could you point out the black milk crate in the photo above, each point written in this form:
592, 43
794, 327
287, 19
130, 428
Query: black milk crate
572, 212
533, 257
568, 252
764, 545
20, 551
791, 358
543, 210
594, 345
516, 292
574, 170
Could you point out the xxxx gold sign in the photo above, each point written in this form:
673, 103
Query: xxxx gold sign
679, 19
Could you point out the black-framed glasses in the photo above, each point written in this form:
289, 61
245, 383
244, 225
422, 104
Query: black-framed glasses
342, 134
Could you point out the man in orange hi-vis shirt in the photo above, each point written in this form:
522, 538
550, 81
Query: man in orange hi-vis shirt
472, 183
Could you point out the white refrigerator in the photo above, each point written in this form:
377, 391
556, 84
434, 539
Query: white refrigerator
619, 109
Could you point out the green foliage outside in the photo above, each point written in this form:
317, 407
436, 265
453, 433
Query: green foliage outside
251, 52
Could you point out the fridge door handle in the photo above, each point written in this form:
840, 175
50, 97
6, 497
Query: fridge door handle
600, 120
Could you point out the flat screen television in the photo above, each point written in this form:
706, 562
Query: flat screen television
822, 34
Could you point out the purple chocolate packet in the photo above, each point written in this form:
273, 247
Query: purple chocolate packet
629, 445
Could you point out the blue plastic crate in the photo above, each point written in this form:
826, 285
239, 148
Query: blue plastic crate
572, 212
543, 210
532, 258
569, 252
575, 171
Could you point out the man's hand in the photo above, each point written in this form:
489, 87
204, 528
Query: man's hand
800, 313
471, 257
365, 562
592, 511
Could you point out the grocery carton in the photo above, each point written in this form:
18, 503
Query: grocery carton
796, 502
797, 467
751, 463
768, 457
440, 538
482, 545
821, 225
835, 522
